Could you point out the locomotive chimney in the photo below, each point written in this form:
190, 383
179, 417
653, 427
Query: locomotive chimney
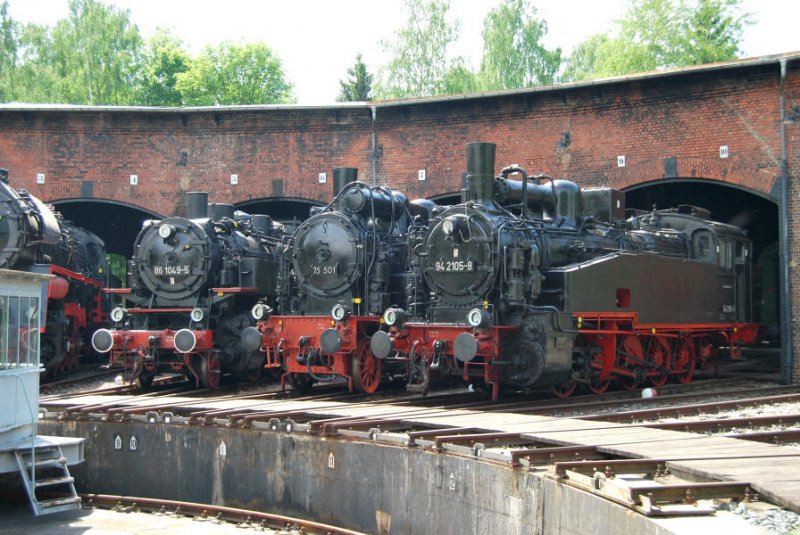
219, 210
480, 171
262, 222
342, 176
196, 204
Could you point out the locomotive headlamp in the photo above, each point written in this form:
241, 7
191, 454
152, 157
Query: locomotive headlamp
260, 311
448, 226
339, 312
165, 230
184, 341
118, 314
197, 315
478, 317
394, 316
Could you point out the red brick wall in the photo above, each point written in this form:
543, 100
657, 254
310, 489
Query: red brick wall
665, 125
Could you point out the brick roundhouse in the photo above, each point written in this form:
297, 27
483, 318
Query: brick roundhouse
724, 136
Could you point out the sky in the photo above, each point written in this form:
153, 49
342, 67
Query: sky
317, 40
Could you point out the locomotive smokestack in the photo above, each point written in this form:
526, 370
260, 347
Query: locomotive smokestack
480, 171
342, 176
196, 204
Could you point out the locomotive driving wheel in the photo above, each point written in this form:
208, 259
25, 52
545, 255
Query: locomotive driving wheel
684, 359
210, 372
598, 386
630, 356
366, 369
565, 389
658, 359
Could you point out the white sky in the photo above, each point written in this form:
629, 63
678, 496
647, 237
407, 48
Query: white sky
317, 40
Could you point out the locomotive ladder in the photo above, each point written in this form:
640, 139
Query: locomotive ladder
45, 466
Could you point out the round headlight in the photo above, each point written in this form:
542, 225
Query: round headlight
260, 311
165, 231
477, 317
197, 315
339, 312
118, 314
448, 226
393, 316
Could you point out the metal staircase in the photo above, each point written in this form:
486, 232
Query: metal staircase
44, 468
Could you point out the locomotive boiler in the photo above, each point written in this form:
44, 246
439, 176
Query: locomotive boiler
535, 283
35, 238
192, 283
343, 267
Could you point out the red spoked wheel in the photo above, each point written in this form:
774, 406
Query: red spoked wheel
210, 372
565, 389
630, 356
597, 386
658, 358
684, 359
366, 369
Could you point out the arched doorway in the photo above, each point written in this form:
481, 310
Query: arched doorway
756, 214
116, 223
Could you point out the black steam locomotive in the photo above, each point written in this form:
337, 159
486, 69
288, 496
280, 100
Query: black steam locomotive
192, 283
343, 267
34, 238
536, 283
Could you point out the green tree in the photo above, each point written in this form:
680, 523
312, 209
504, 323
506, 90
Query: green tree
460, 79
234, 74
163, 59
657, 34
419, 60
358, 87
37, 77
96, 54
513, 53
8, 52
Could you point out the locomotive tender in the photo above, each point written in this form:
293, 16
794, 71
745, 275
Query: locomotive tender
192, 283
343, 267
34, 238
530, 285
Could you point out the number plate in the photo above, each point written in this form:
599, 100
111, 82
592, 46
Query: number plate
323, 270
171, 271
454, 266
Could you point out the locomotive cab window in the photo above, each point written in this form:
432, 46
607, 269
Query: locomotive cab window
725, 250
703, 246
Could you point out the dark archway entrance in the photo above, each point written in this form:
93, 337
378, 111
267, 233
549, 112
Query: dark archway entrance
754, 213
116, 223
289, 211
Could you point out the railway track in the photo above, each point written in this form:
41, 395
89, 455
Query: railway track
242, 517
412, 422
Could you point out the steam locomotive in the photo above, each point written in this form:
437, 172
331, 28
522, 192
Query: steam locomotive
34, 238
192, 283
343, 267
534, 283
